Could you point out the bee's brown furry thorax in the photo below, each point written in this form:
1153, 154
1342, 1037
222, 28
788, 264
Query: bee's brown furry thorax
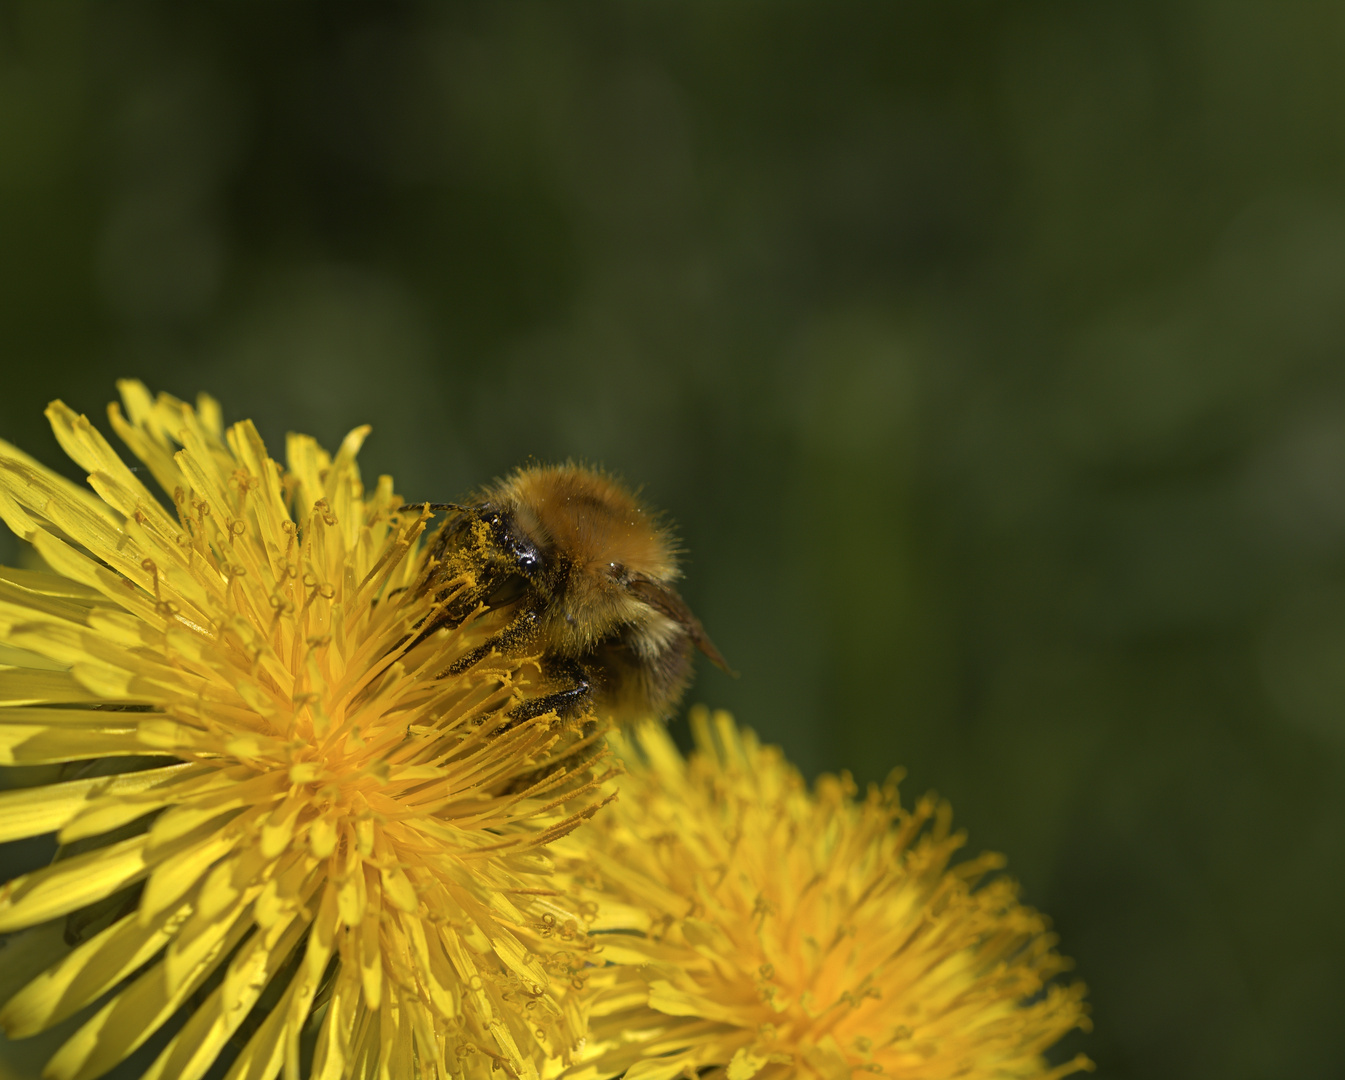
588, 576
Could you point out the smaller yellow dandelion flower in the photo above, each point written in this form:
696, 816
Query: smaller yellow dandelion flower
318, 844
767, 929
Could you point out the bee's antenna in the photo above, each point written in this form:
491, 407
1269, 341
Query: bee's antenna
434, 508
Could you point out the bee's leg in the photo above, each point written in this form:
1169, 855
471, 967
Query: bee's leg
431, 623
447, 615
442, 539
448, 535
563, 702
517, 633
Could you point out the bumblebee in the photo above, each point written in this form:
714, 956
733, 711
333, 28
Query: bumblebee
584, 578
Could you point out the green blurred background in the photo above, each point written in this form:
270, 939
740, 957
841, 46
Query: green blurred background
988, 356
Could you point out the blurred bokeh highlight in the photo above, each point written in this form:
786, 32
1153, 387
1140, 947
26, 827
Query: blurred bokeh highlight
987, 356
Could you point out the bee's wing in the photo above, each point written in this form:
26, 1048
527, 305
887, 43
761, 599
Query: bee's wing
665, 600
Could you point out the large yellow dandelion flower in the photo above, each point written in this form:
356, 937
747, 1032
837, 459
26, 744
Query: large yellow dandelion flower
766, 930
317, 847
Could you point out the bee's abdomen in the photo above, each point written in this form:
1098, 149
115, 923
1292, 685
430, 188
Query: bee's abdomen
635, 677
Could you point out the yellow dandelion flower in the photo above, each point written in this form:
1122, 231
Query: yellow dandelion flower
291, 826
768, 930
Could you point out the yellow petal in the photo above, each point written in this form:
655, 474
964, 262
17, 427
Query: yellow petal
172, 878
745, 1064
86, 974
332, 1056
279, 827
661, 1069
136, 1013
200, 934
352, 897
194, 1049
18, 604
15, 657
79, 645
28, 953
77, 567
666, 998
219, 792
433, 967
157, 458
115, 807
21, 523
88, 449
371, 953
23, 686
398, 889
504, 1039
71, 883
281, 895
29, 744
322, 837
39, 581
308, 980
32, 485
62, 719
37, 810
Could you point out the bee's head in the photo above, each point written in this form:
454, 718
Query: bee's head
514, 546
